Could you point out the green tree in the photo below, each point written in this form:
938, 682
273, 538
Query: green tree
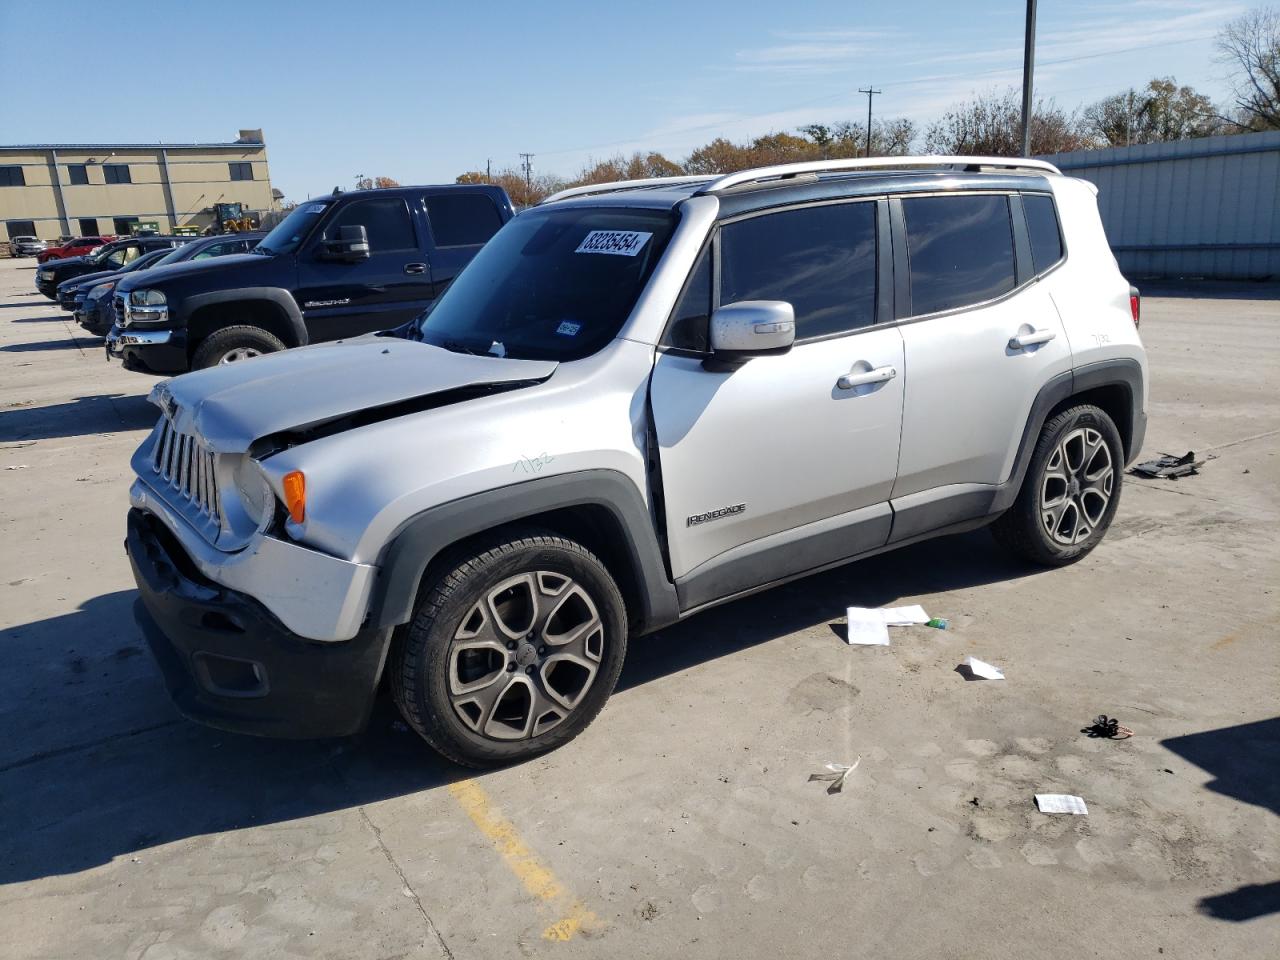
1160, 112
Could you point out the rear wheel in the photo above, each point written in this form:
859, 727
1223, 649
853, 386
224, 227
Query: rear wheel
1070, 493
512, 652
233, 344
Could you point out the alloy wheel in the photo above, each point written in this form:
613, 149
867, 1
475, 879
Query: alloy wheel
239, 353
1077, 487
524, 656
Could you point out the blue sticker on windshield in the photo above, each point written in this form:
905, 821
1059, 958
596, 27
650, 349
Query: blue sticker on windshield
568, 328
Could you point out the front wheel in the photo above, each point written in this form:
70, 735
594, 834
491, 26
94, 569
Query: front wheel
233, 344
512, 651
1070, 493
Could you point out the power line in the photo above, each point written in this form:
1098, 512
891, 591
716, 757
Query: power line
935, 78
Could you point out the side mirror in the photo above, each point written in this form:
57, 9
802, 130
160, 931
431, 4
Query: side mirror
747, 329
352, 245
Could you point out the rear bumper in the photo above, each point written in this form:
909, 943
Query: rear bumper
229, 663
162, 352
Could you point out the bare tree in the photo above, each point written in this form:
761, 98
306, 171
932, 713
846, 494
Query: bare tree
1160, 112
990, 124
1250, 44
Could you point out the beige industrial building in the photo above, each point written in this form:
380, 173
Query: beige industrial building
85, 189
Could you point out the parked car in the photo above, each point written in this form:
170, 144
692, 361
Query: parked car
75, 247
108, 258
335, 267
26, 246
92, 301
638, 401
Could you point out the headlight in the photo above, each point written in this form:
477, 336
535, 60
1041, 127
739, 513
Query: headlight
256, 495
147, 298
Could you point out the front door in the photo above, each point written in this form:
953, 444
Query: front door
347, 299
783, 464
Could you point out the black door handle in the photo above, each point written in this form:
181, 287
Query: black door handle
415, 268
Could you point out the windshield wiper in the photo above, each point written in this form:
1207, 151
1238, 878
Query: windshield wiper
457, 346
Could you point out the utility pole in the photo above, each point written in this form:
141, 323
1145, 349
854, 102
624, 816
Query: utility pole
870, 93
488, 170
1128, 121
1028, 72
526, 161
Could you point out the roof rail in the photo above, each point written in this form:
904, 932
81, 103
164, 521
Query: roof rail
596, 188
784, 170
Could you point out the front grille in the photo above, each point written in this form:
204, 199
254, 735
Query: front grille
183, 462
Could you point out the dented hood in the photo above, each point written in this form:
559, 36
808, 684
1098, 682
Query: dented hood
234, 404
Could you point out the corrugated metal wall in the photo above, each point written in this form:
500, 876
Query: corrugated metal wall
1192, 208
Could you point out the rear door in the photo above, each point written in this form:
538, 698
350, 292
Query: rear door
346, 299
777, 467
460, 224
982, 336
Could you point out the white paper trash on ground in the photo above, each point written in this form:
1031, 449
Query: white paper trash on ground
867, 627
1061, 803
982, 669
905, 616
838, 773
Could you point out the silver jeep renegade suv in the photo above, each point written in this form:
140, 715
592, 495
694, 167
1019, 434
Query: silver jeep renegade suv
639, 400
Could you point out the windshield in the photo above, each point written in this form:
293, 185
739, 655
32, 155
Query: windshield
551, 285
292, 230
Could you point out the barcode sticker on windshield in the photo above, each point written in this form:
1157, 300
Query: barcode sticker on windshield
621, 243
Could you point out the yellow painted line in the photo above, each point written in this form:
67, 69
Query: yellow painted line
536, 876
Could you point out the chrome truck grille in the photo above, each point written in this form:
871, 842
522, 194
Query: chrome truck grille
182, 462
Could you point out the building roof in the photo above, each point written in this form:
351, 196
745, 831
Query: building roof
130, 146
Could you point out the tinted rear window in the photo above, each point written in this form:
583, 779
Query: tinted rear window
961, 251
1042, 225
821, 260
462, 220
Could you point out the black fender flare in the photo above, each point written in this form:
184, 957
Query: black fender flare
274, 295
424, 537
1121, 372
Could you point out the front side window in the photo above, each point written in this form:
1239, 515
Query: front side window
960, 250
821, 260
462, 220
78, 174
385, 220
689, 328
116, 173
122, 255
553, 284
1042, 227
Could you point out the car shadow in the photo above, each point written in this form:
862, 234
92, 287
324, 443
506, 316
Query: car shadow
38, 346
51, 319
79, 417
96, 764
1243, 761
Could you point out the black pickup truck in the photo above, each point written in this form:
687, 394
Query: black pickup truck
335, 267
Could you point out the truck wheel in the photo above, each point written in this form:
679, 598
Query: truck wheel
233, 344
1070, 492
512, 651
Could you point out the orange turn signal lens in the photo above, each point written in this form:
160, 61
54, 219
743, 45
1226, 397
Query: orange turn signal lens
295, 495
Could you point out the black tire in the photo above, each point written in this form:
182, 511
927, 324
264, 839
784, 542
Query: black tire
1025, 528
229, 341
422, 664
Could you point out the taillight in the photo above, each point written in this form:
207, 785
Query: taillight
1135, 305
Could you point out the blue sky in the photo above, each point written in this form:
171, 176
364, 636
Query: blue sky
421, 91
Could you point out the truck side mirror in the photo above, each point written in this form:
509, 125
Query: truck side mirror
352, 245
747, 329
